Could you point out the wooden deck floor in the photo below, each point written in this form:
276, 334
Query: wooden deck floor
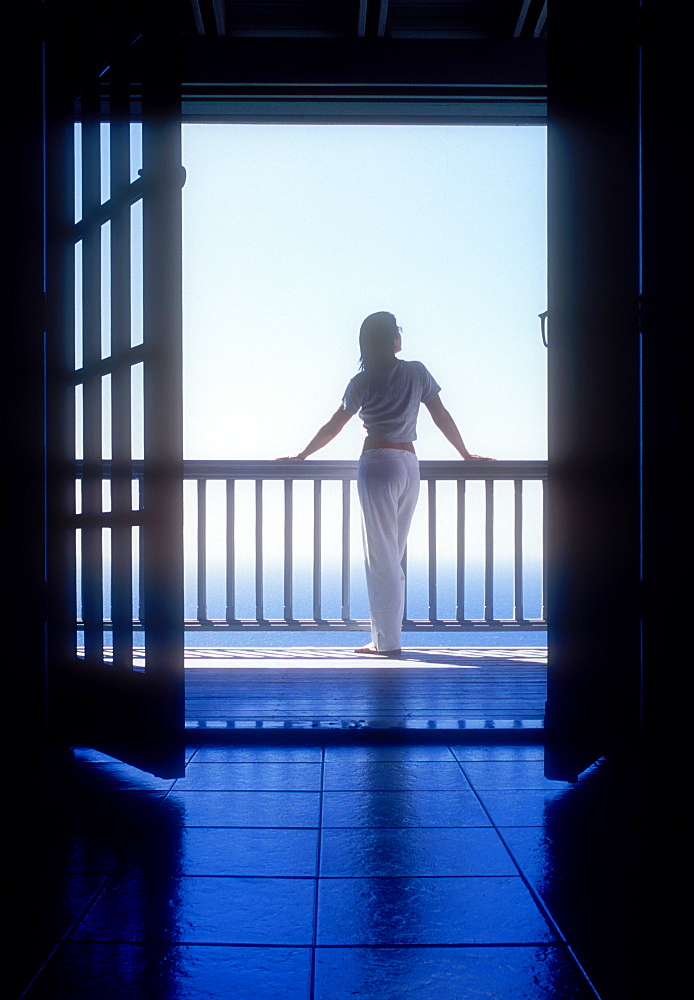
472, 688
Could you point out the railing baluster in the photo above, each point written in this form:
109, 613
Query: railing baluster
122, 572
489, 550
517, 549
134, 579
288, 554
345, 548
141, 574
231, 552
202, 550
431, 510
317, 552
259, 612
404, 569
460, 553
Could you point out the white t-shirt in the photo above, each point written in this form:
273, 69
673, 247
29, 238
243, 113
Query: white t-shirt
387, 400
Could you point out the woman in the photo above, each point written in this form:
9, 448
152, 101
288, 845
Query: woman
386, 393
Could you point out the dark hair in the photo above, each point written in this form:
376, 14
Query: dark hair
376, 341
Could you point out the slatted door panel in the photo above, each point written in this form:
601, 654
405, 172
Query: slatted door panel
116, 632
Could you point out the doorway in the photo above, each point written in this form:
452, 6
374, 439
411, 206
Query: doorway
292, 234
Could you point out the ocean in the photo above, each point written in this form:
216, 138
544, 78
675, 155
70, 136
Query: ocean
417, 608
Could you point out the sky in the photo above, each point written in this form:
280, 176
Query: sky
294, 233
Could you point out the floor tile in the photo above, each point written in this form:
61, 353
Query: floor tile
590, 892
595, 894
398, 809
273, 809
344, 775
527, 807
110, 839
23, 958
84, 971
517, 774
254, 775
419, 852
96, 756
533, 851
127, 777
472, 752
204, 910
516, 973
279, 853
389, 753
44, 903
229, 754
399, 911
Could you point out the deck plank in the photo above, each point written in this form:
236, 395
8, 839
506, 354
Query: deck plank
451, 687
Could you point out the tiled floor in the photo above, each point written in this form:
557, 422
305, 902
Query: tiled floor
389, 872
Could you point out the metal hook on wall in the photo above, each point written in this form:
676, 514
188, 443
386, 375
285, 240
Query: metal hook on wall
543, 327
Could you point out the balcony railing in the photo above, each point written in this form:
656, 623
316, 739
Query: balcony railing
457, 537
276, 546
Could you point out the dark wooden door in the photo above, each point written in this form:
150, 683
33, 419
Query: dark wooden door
114, 403
593, 685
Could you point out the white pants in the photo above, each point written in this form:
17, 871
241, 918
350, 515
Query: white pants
388, 484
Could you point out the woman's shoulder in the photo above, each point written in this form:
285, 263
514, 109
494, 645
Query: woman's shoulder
355, 387
420, 374
357, 380
417, 368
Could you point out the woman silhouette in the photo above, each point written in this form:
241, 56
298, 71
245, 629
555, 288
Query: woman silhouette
386, 393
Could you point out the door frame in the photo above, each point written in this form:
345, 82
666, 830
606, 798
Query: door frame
587, 489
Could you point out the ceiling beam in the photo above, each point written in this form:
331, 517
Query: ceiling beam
209, 17
343, 62
361, 19
541, 18
531, 19
197, 17
254, 78
520, 23
219, 9
372, 18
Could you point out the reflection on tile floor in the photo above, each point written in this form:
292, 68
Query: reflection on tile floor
322, 873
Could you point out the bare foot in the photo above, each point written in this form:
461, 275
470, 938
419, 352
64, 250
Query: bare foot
372, 651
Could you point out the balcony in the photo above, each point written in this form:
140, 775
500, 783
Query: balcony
275, 548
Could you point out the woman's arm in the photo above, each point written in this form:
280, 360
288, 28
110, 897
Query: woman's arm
448, 427
322, 437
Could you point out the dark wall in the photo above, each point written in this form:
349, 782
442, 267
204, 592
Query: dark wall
666, 326
22, 352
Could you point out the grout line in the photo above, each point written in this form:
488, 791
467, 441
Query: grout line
65, 936
537, 899
193, 755
40, 969
312, 982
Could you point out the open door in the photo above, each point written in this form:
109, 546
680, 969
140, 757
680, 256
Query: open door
594, 656
114, 390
